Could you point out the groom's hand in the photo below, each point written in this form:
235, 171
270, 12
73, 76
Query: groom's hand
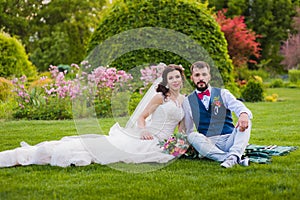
243, 122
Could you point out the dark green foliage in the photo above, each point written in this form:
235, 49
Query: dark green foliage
294, 76
177, 31
52, 50
13, 58
271, 19
246, 74
102, 103
116, 104
54, 32
253, 92
16, 17
54, 109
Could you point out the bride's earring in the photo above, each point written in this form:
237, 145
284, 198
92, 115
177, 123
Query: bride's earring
167, 86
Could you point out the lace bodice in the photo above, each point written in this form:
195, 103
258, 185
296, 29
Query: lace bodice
165, 119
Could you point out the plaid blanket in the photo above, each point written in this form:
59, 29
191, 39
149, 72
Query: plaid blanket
256, 153
263, 154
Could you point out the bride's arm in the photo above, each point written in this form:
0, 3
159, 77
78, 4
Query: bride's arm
150, 108
181, 124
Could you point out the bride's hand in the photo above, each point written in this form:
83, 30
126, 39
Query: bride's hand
181, 127
146, 135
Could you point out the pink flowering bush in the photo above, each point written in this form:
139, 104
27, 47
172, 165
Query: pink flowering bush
54, 100
150, 74
35, 103
51, 96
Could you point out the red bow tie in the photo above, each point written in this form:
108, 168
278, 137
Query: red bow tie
206, 92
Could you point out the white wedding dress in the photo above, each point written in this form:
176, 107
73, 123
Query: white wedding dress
121, 145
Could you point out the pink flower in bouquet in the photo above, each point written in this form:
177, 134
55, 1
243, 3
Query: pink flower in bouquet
181, 142
176, 145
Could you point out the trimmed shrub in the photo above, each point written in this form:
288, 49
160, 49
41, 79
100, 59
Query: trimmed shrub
187, 17
253, 91
13, 58
277, 83
294, 76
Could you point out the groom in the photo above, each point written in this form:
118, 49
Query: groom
209, 109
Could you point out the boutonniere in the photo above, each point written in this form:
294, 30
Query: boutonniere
216, 104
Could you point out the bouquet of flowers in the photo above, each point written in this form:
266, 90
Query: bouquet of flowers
177, 145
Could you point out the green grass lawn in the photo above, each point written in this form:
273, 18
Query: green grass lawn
274, 123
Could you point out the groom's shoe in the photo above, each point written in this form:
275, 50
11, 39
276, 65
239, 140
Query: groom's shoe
245, 162
229, 162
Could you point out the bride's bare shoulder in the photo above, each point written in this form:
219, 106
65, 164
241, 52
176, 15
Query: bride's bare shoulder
158, 98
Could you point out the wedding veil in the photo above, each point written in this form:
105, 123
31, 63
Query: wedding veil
132, 122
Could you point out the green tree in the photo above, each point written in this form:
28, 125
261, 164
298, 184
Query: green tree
39, 23
234, 7
71, 23
271, 19
296, 3
16, 17
51, 50
217, 4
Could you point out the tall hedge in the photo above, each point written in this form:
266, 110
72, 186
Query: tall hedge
188, 20
13, 58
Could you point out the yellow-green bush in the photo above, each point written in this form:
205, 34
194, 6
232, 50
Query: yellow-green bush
6, 87
13, 58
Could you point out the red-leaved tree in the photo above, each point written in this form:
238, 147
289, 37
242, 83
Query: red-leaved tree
241, 41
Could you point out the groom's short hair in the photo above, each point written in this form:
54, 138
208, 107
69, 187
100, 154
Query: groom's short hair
200, 65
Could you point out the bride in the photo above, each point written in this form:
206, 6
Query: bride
133, 144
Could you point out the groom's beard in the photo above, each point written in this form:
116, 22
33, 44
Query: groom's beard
201, 86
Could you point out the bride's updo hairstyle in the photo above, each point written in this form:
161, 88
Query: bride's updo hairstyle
162, 86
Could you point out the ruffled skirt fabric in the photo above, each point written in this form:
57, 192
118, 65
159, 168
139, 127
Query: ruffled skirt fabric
119, 146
